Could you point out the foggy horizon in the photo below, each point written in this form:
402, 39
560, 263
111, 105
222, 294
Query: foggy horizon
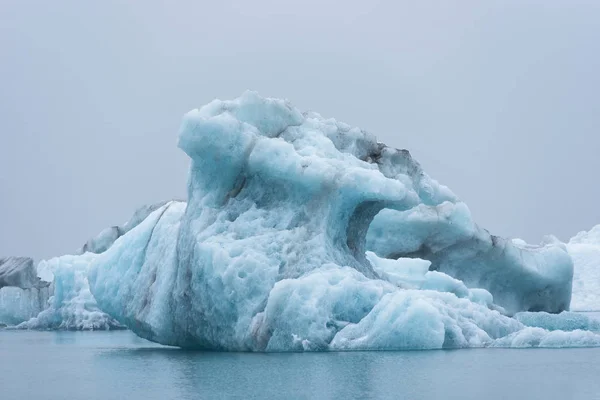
93, 95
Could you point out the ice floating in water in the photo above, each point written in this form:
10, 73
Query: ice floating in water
584, 248
22, 293
71, 305
19, 272
63, 299
538, 337
565, 321
18, 305
65, 304
269, 252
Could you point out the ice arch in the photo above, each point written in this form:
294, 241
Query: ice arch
521, 277
358, 225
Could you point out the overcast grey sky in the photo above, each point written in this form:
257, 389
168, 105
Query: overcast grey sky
496, 99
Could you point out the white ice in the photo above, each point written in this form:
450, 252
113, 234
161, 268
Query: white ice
584, 248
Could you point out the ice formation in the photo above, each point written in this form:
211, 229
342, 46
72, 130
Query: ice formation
565, 321
303, 233
18, 305
269, 253
584, 248
65, 303
56, 294
71, 305
521, 277
22, 293
19, 272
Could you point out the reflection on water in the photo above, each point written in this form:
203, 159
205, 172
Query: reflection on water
108, 365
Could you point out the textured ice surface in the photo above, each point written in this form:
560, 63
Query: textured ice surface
414, 273
269, 253
101, 242
71, 305
19, 272
67, 302
584, 248
519, 276
565, 321
18, 305
538, 337
22, 293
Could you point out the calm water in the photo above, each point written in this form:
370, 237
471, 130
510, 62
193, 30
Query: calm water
118, 365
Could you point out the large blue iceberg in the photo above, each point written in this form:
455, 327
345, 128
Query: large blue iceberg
269, 253
302, 233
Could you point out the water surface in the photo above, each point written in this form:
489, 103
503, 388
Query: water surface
119, 365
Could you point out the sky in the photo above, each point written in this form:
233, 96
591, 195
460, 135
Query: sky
498, 99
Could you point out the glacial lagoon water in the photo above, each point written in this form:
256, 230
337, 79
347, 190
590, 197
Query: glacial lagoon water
119, 365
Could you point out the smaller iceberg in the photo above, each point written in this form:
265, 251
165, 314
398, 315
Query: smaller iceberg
19, 272
55, 294
18, 305
23, 294
565, 321
584, 249
71, 305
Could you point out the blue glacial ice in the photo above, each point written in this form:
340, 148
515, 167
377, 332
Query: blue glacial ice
521, 277
270, 251
565, 321
22, 293
18, 305
65, 303
70, 305
55, 294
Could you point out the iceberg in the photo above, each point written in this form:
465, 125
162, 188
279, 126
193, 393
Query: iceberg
18, 305
70, 305
22, 293
584, 248
65, 302
302, 233
55, 294
19, 272
565, 321
270, 251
